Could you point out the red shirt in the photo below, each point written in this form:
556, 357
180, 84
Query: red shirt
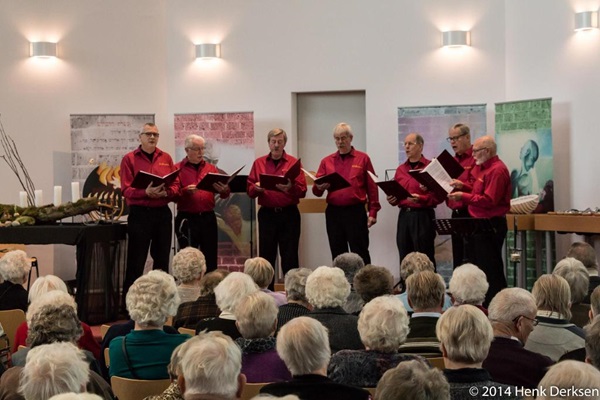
136, 161
427, 198
200, 200
491, 190
467, 161
353, 167
276, 198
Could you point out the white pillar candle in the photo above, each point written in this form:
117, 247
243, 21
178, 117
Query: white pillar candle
23, 199
57, 195
39, 198
74, 191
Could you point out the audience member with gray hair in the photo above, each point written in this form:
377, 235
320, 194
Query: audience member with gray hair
210, 368
205, 306
173, 392
373, 281
570, 380
144, 353
327, 289
350, 263
303, 345
295, 288
512, 313
468, 285
592, 343
262, 272
413, 380
232, 289
465, 336
554, 336
578, 278
14, 269
256, 319
383, 326
189, 266
585, 253
595, 303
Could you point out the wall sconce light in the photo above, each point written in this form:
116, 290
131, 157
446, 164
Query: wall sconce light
42, 49
586, 20
208, 50
456, 38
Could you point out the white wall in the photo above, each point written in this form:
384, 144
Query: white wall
137, 56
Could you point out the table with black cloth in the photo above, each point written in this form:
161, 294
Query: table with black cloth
100, 253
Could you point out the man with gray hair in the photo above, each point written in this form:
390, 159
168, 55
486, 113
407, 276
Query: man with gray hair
197, 206
585, 253
512, 313
350, 263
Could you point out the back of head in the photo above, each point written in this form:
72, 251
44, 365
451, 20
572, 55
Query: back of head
511, 303
256, 315
552, 293
54, 323
210, 364
54, 298
209, 282
327, 287
585, 253
383, 324
413, 380
373, 281
14, 267
415, 262
45, 284
52, 369
260, 270
188, 265
295, 283
350, 263
152, 299
465, 333
76, 396
568, 375
592, 342
576, 275
303, 345
232, 289
595, 301
425, 290
468, 285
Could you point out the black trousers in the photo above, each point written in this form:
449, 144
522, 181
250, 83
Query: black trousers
279, 227
458, 241
484, 249
347, 226
200, 232
147, 228
416, 232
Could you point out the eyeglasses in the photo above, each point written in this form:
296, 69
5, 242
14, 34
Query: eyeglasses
409, 144
534, 321
195, 148
151, 134
478, 150
455, 138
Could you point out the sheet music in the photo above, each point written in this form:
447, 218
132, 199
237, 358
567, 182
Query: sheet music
439, 174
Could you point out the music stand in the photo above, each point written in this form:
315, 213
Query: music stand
464, 227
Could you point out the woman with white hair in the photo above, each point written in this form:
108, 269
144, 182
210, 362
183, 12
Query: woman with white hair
327, 289
568, 375
303, 345
261, 271
578, 279
14, 269
468, 285
232, 289
383, 326
465, 336
256, 319
295, 290
144, 353
413, 380
554, 336
189, 265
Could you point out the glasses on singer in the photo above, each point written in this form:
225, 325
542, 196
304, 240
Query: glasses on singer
151, 134
455, 138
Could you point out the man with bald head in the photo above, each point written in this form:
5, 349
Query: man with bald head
489, 198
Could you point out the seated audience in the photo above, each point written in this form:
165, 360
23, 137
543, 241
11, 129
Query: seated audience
592, 343
465, 335
173, 392
189, 266
468, 285
14, 269
383, 326
233, 288
144, 353
205, 306
256, 319
578, 279
413, 380
585, 253
210, 368
303, 344
512, 313
262, 273
554, 336
373, 281
40, 287
568, 375
350, 263
327, 289
595, 303
295, 289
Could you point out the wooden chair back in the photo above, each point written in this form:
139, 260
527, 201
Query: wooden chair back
103, 329
437, 362
137, 389
10, 320
251, 390
106, 358
186, 331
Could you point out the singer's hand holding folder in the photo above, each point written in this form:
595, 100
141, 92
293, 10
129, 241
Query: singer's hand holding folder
143, 179
211, 178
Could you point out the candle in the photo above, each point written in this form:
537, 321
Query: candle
57, 195
23, 199
39, 198
74, 191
